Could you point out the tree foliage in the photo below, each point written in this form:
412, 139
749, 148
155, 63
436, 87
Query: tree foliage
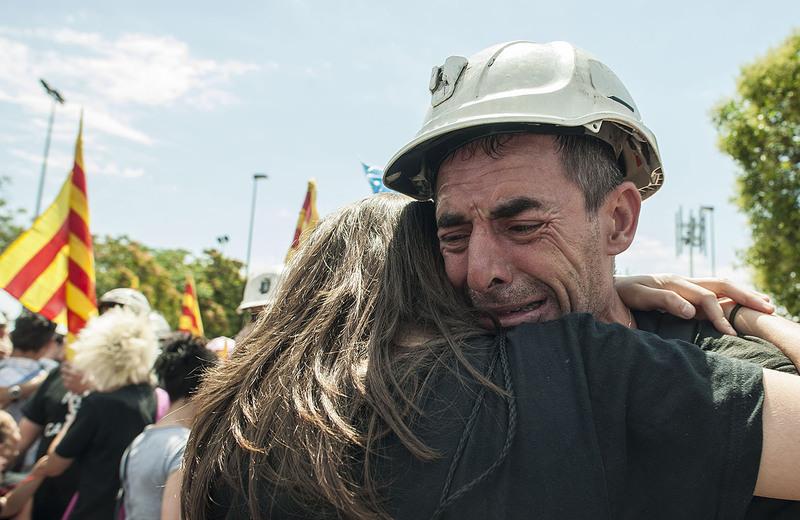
9, 218
160, 275
760, 129
122, 262
220, 285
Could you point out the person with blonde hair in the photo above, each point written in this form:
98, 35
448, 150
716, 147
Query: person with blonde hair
369, 390
116, 352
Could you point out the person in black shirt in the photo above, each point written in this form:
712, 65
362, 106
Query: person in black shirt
116, 352
368, 390
538, 161
43, 418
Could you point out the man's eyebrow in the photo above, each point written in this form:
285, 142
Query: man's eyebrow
446, 220
513, 207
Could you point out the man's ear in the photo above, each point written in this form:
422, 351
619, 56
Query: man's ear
620, 213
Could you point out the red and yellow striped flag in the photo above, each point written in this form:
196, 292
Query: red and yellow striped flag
307, 220
190, 320
50, 267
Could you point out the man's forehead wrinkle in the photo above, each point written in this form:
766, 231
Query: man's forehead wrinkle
503, 209
515, 206
476, 170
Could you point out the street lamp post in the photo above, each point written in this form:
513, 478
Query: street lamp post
710, 211
57, 100
256, 177
693, 234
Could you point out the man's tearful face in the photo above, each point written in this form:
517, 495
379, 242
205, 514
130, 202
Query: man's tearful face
515, 234
528, 300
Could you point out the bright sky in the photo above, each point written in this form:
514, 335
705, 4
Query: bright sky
184, 101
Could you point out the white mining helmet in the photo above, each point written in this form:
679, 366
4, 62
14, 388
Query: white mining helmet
550, 88
128, 298
260, 289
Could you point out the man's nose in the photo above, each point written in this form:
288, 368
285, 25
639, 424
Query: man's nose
488, 262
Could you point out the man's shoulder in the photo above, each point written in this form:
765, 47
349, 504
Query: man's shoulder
703, 334
668, 326
18, 362
12, 369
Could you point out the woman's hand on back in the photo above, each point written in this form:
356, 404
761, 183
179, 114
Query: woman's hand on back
702, 298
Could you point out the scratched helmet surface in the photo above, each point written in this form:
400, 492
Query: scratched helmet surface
525, 87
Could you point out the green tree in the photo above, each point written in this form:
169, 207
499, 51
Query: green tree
9, 218
161, 273
122, 262
220, 286
760, 129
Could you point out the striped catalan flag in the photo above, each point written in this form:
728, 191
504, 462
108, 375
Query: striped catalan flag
50, 267
307, 219
190, 320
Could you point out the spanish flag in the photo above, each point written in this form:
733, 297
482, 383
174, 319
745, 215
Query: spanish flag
50, 267
190, 320
307, 220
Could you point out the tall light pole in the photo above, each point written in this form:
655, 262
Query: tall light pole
710, 211
256, 177
693, 233
58, 99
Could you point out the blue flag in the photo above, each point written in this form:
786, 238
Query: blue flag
375, 178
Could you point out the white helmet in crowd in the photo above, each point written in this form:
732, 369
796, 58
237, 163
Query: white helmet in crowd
159, 324
260, 289
525, 87
129, 298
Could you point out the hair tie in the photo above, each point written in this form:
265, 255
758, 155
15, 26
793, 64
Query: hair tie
734, 312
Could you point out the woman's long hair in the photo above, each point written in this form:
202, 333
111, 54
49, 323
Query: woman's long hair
362, 320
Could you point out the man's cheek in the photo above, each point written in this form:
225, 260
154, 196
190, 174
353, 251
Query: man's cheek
456, 271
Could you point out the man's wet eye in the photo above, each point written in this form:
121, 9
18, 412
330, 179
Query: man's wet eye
453, 238
524, 228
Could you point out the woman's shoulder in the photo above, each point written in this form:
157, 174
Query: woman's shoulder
167, 438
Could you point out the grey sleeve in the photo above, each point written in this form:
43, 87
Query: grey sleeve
174, 459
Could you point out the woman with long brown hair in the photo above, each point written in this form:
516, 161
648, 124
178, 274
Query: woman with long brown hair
335, 364
367, 390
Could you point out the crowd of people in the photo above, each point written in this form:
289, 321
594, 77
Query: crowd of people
101, 435
469, 354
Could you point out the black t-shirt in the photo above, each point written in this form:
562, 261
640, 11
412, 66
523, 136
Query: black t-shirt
703, 334
748, 348
105, 425
606, 423
48, 408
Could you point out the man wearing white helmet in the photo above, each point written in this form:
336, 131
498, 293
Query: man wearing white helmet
124, 297
538, 161
258, 293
